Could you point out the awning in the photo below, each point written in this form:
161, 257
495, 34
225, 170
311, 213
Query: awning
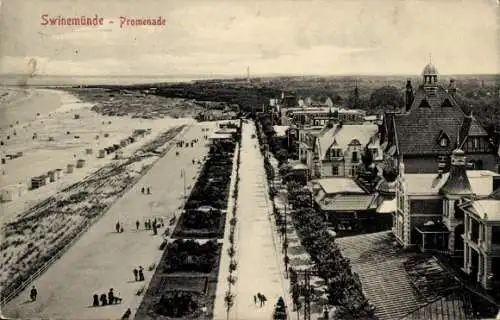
387, 206
432, 228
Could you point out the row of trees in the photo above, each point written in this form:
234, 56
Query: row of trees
344, 287
231, 251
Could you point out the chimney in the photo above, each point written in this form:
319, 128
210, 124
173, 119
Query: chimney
408, 95
452, 88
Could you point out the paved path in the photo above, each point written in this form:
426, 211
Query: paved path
103, 259
259, 264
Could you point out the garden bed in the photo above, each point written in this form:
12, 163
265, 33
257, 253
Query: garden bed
41, 234
204, 213
194, 289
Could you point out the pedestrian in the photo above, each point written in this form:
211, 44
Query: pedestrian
254, 299
121, 229
259, 296
33, 293
149, 224
95, 303
141, 274
264, 299
137, 223
104, 299
117, 227
136, 274
155, 230
148, 190
111, 296
142, 190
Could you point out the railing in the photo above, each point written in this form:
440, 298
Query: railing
11, 295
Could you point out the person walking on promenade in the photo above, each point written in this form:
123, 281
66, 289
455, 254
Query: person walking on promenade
259, 296
254, 299
141, 273
142, 190
264, 299
137, 223
33, 293
136, 274
117, 227
148, 191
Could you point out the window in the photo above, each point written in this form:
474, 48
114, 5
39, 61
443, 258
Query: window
352, 171
446, 104
336, 153
374, 152
495, 235
355, 157
443, 142
335, 170
424, 104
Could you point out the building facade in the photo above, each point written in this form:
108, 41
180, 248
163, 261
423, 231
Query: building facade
431, 125
434, 213
336, 150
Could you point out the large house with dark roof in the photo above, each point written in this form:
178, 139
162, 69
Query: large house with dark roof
446, 212
432, 124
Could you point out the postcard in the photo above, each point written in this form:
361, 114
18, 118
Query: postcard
249, 159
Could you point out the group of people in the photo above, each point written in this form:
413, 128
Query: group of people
118, 227
260, 298
106, 299
146, 190
139, 274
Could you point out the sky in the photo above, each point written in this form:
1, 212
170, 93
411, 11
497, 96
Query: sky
223, 37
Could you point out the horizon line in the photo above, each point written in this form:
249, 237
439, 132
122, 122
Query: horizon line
237, 76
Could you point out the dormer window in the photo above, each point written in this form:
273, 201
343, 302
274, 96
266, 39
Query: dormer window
443, 142
424, 104
336, 153
446, 104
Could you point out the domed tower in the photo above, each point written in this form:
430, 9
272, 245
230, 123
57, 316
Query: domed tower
430, 75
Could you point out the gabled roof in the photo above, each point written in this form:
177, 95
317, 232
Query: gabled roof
340, 185
416, 130
349, 203
344, 135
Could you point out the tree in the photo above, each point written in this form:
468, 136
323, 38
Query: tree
387, 96
367, 158
280, 310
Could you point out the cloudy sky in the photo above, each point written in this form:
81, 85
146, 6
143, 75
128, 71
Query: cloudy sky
223, 37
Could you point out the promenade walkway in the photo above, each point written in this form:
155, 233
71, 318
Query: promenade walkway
259, 257
103, 259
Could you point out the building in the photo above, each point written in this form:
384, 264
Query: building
442, 212
482, 240
335, 150
431, 125
347, 207
322, 115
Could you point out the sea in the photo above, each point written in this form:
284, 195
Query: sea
45, 80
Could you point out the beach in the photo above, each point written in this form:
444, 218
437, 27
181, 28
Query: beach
47, 130
64, 151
